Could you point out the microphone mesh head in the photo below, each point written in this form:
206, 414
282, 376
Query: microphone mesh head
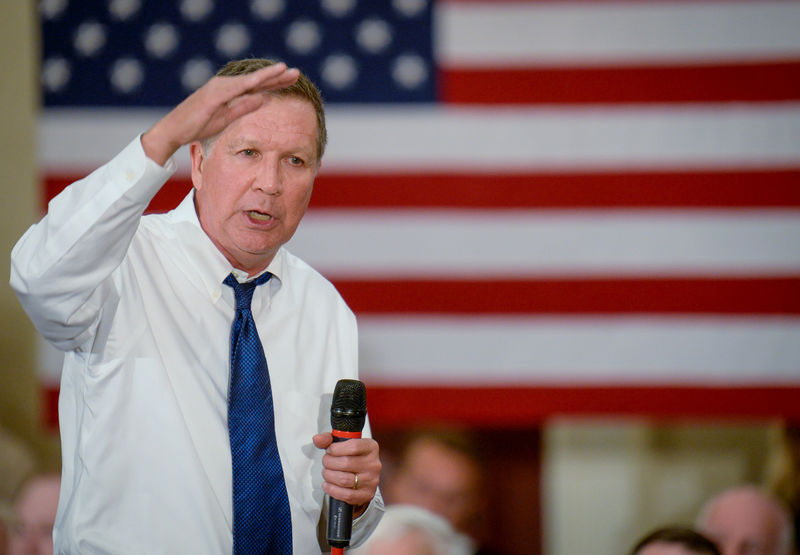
349, 406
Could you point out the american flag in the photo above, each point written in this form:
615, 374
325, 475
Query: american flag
565, 206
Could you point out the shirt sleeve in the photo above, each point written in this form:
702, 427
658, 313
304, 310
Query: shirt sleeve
364, 525
61, 266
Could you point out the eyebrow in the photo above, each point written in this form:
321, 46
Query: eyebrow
236, 143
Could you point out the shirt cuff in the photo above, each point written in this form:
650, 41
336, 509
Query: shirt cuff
364, 525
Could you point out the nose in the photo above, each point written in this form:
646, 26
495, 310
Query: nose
268, 178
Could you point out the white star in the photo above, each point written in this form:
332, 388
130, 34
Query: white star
303, 36
338, 8
339, 70
267, 9
123, 9
373, 35
56, 74
89, 38
195, 73
195, 10
161, 39
409, 71
232, 39
50, 9
409, 8
127, 75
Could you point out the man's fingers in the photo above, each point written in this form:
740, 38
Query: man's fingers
353, 447
322, 441
278, 80
242, 105
342, 479
339, 485
271, 77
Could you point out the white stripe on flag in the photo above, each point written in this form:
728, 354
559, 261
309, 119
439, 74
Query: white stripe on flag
495, 350
485, 242
386, 139
484, 34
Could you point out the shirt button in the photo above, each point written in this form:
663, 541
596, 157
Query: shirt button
129, 175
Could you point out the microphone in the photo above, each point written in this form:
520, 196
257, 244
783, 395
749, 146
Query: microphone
348, 413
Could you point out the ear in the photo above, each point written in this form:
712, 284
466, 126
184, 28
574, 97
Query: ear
197, 158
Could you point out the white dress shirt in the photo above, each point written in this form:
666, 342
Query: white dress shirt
139, 306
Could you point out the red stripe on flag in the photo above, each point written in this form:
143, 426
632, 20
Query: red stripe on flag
49, 412
519, 407
741, 188
740, 82
170, 195
751, 188
712, 295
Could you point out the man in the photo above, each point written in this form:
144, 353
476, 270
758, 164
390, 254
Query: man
746, 520
31, 530
178, 358
438, 470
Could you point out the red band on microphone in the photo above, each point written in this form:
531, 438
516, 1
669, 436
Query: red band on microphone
346, 435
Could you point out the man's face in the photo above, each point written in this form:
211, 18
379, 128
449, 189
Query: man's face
742, 524
439, 479
254, 184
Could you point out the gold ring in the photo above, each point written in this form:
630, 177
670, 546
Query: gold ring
355, 482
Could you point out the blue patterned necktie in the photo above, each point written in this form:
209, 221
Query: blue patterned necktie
262, 522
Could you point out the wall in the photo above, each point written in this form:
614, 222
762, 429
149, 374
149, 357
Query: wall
22, 440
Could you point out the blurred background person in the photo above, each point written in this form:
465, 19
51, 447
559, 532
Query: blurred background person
16, 463
746, 520
675, 540
34, 513
410, 530
785, 476
439, 470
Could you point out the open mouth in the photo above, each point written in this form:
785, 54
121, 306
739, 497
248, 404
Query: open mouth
259, 216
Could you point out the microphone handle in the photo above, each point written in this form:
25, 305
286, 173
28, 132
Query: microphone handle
340, 514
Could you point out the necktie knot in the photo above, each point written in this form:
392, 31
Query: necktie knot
244, 291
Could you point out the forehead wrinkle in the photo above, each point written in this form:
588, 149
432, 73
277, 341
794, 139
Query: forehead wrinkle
248, 138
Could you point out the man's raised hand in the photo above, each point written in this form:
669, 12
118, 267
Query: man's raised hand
212, 107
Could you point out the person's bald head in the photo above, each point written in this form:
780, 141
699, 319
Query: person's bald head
35, 508
746, 520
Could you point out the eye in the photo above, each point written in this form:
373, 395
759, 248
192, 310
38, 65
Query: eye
295, 161
248, 152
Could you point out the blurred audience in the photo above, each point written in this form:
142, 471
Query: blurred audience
439, 470
409, 530
30, 530
16, 462
4, 516
675, 540
785, 479
747, 520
